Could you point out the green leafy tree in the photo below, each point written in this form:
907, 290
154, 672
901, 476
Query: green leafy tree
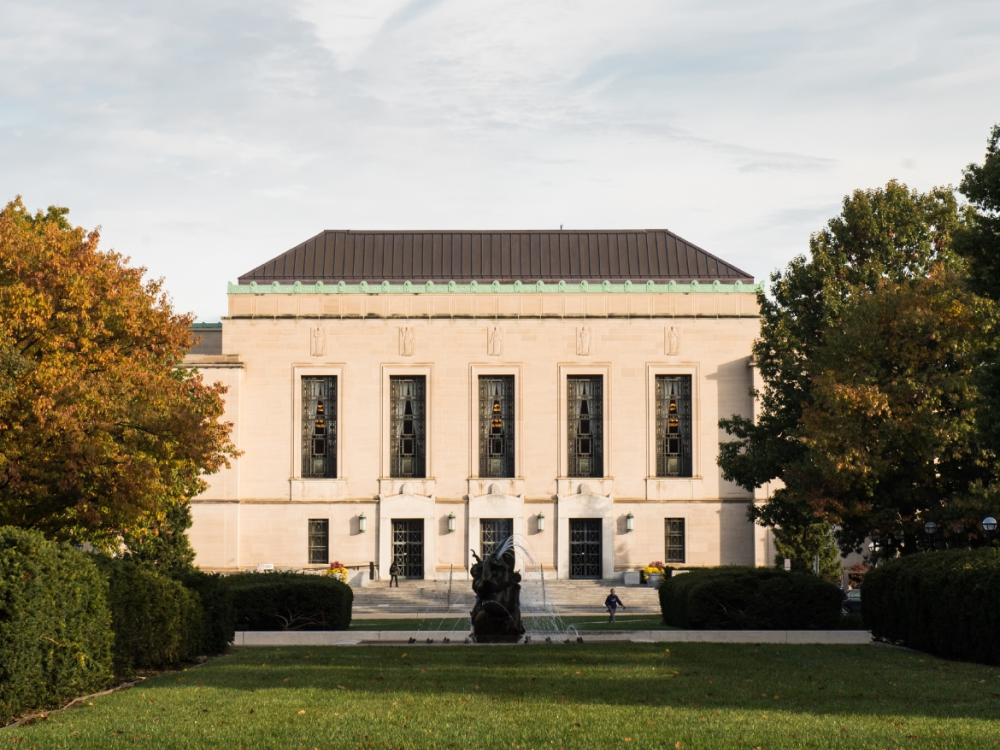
891, 235
101, 429
164, 542
979, 241
801, 545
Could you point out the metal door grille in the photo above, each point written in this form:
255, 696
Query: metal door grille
496, 426
586, 426
494, 532
673, 425
674, 533
319, 541
584, 548
408, 429
408, 546
319, 427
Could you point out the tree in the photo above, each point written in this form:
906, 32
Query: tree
163, 542
890, 429
891, 235
802, 544
101, 428
979, 241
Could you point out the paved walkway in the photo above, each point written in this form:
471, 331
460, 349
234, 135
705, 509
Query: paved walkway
437, 599
457, 637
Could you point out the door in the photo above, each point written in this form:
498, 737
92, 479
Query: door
494, 532
585, 548
408, 546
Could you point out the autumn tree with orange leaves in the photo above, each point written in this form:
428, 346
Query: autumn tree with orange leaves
102, 430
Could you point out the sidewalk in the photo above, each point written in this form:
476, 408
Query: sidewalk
457, 637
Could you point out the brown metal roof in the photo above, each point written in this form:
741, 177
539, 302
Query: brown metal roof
639, 255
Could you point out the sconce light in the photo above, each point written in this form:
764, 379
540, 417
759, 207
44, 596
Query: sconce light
630, 522
362, 523
451, 522
541, 521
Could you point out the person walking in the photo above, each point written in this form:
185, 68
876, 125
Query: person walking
394, 574
612, 603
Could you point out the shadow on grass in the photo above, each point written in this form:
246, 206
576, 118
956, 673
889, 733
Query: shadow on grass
853, 680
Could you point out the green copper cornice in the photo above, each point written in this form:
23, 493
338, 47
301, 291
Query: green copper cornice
518, 287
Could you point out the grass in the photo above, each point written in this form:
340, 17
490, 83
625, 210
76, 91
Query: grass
461, 624
621, 695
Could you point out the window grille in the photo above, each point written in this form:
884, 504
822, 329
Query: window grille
673, 425
319, 427
408, 428
494, 532
674, 532
586, 426
496, 426
319, 541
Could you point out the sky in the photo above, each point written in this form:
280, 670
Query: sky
206, 137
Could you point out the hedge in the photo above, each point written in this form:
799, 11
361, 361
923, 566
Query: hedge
157, 621
219, 618
290, 601
55, 627
738, 598
945, 603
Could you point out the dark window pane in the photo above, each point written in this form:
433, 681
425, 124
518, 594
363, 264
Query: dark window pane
319, 541
408, 428
586, 425
674, 532
496, 426
673, 426
319, 427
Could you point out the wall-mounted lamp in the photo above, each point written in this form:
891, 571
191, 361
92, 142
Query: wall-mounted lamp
630, 522
541, 521
451, 522
362, 523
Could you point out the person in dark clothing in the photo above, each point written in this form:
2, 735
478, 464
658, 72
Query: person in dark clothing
612, 603
394, 574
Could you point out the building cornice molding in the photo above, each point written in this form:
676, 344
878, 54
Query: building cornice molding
496, 287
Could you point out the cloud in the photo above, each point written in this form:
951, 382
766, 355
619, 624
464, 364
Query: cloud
226, 132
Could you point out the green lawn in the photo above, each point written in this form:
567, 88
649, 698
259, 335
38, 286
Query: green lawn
461, 624
616, 695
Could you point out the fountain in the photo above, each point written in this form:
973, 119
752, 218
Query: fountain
496, 616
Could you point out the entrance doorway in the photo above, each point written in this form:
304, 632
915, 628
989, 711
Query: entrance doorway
494, 532
408, 546
585, 548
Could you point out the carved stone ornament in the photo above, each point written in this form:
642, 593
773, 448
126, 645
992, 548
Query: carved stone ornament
583, 341
406, 489
496, 489
672, 341
406, 341
317, 341
494, 341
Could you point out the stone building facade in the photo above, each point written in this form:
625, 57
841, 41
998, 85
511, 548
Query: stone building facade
420, 396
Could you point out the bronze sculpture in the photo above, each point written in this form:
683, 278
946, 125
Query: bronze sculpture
496, 616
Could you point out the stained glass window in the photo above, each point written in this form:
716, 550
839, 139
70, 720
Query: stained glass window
496, 426
586, 426
673, 425
408, 429
319, 427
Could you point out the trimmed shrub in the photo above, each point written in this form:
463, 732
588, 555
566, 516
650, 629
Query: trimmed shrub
55, 627
219, 618
737, 598
290, 601
157, 621
945, 603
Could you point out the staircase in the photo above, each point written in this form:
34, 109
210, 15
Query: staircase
576, 597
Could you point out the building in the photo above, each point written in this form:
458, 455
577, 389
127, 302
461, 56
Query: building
422, 395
